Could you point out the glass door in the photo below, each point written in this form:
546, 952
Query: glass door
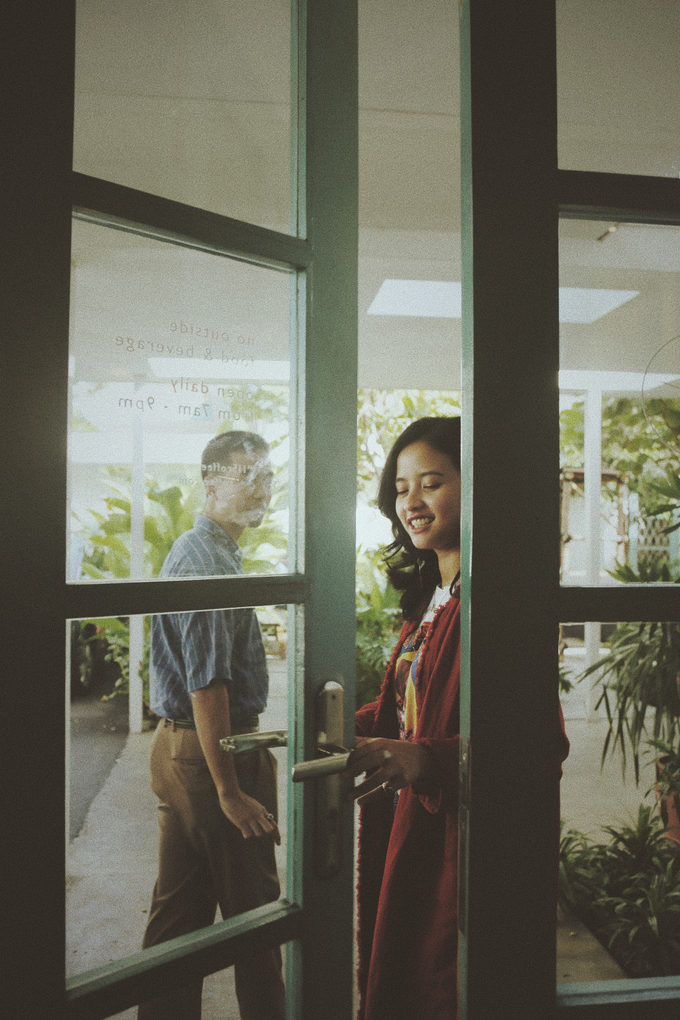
529, 79
213, 262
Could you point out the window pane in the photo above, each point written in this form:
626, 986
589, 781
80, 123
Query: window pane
169, 349
618, 72
409, 197
218, 998
620, 872
113, 853
190, 101
619, 401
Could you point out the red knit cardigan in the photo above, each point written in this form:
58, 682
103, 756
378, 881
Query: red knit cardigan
408, 865
408, 862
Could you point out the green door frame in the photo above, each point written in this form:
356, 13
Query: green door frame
512, 195
40, 192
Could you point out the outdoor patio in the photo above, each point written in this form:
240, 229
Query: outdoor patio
111, 864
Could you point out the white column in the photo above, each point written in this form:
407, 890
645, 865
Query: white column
592, 485
136, 564
136, 653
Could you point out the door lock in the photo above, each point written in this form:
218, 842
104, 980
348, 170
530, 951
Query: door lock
325, 769
329, 788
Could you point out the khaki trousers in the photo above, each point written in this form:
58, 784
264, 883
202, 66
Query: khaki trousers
203, 862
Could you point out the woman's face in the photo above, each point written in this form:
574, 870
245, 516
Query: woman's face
428, 497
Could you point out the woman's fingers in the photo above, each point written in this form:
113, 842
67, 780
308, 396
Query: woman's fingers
370, 784
396, 762
368, 755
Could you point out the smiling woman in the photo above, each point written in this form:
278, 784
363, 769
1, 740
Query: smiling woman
407, 744
428, 451
428, 504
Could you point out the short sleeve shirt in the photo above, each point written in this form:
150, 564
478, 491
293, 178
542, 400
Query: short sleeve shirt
188, 650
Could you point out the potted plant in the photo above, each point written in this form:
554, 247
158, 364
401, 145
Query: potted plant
640, 691
668, 785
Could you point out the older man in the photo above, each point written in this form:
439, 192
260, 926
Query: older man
217, 812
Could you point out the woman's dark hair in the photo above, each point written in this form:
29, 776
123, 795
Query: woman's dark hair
414, 572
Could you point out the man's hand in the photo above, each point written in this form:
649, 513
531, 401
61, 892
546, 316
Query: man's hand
389, 763
211, 715
249, 816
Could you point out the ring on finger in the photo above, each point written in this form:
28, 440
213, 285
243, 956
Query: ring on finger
270, 817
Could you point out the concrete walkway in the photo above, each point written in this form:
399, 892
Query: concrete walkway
111, 864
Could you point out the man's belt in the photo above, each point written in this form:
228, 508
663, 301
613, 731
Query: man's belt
250, 725
180, 724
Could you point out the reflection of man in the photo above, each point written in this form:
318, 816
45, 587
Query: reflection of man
217, 812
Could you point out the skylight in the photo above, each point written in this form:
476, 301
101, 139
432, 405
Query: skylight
441, 299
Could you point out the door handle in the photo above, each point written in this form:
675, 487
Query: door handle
329, 786
319, 767
249, 741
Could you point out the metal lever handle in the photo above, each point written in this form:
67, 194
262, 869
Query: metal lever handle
319, 767
249, 741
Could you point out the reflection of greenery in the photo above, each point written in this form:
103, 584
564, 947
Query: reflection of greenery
267, 404
669, 490
115, 633
640, 674
264, 549
169, 512
382, 417
377, 625
641, 449
627, 890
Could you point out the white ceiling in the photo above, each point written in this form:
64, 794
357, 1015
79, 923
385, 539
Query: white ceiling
191, 102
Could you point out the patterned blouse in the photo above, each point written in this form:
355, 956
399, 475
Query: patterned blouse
406, 678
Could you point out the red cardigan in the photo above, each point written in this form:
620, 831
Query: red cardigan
408, 867
408, 863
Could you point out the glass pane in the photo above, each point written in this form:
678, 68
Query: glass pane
409, 197
620, 866
171, 349
409, 324
619, 402
618, 74
190, 101
115, 816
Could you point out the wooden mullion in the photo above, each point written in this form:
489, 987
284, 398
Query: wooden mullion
121, 208
615, 605
624, 198
170, 595
100, 993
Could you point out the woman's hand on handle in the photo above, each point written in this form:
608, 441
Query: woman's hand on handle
391, 764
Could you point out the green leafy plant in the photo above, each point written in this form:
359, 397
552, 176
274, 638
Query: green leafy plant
627, 890
667, 758
169, 512
668, 489
378, 625
640, 674
114, 632
566, 683
382, 415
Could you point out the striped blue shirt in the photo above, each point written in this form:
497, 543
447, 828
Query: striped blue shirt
188, 650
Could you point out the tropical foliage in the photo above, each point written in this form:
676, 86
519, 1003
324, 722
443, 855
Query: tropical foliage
641, 446
377, 626
627, 891
639, 675
383, 415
